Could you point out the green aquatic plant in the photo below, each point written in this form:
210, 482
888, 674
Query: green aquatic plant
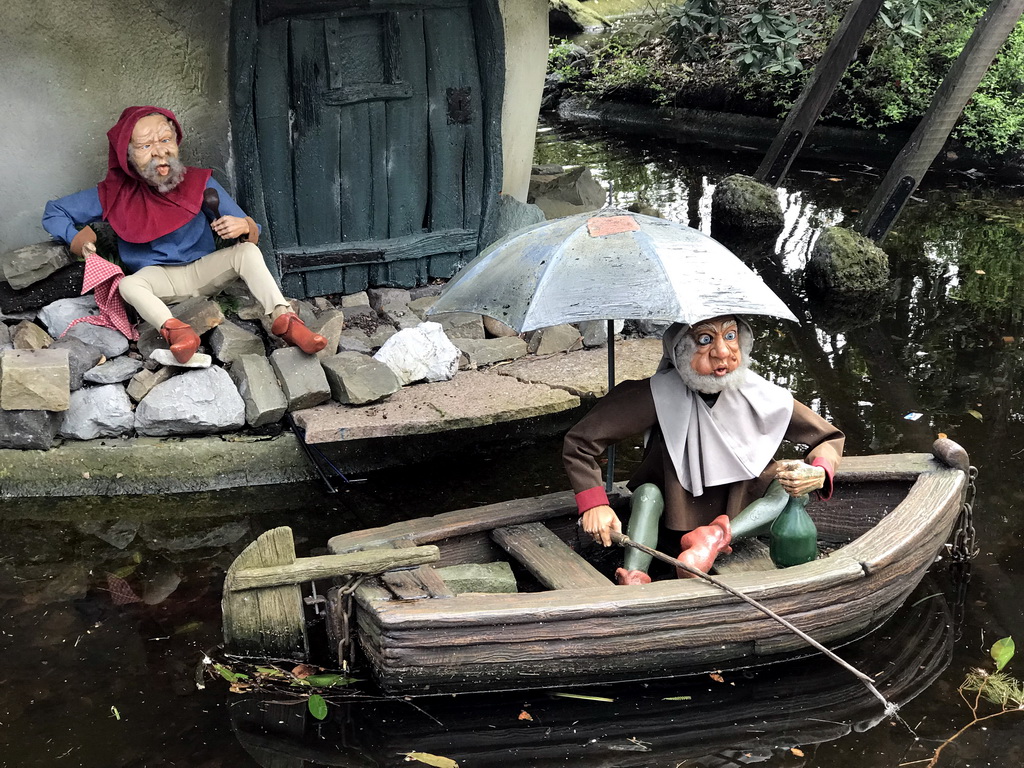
995, 687
301, 682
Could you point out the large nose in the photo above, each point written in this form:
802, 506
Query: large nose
719, 348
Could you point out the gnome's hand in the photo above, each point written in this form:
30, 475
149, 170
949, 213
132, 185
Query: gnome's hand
799, 478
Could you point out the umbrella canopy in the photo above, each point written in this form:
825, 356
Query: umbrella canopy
604, 265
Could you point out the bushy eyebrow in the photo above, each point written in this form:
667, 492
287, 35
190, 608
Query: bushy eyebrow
726, 326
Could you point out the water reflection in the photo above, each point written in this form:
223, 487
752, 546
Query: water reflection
738, 720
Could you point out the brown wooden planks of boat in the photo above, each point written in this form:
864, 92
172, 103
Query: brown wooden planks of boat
888, 520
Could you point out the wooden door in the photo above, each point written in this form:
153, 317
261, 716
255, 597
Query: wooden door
370, 133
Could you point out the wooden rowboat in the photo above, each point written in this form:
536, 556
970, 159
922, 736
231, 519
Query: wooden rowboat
889, 518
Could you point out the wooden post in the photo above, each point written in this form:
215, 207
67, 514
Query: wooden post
817, 91
262, 602
931, 133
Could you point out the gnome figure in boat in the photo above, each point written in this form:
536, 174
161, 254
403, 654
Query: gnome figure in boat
708, 471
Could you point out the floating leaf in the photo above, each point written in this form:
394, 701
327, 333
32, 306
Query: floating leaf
979, 271
120, 591
1002, 651
317, 706
797, 751
678, 698
228, 674
328, 680
271, 672
115, 713
524, 715
584, 698
976, 414
1009, 339
428, 759
717, 677
942, 435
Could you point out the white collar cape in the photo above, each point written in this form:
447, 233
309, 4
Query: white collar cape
732, 441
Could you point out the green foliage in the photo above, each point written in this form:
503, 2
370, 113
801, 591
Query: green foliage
760, 52
623, 67
769, 41
694, 26
907, 60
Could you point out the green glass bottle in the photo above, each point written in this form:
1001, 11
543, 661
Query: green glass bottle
793, 535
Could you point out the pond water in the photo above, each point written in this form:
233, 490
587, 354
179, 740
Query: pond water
107, 606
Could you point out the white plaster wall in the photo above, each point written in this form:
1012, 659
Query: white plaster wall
526, 59
69, 68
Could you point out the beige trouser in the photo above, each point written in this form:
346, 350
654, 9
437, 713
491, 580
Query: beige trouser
151, 289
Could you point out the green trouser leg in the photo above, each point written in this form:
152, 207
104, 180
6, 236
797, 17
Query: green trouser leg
758, 516
644, 524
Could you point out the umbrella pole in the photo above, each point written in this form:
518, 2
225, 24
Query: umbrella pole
609, 479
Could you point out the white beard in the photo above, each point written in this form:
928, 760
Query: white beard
163, 184
709, 384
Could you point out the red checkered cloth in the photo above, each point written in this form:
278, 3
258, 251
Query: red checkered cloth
102, 278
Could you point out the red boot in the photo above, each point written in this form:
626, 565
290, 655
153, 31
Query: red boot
624, 577
701, 546
290, 328
183, 340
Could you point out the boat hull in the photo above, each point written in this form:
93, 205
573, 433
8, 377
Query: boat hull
896, 511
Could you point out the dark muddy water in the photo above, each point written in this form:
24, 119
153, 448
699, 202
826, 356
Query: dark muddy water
87, 679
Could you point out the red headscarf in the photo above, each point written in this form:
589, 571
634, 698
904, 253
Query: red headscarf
135, 210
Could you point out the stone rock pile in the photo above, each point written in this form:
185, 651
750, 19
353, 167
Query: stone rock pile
87, 381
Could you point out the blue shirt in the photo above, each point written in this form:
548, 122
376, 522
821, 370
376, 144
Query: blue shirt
63, 217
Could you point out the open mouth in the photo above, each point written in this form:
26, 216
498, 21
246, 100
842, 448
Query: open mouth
163, 169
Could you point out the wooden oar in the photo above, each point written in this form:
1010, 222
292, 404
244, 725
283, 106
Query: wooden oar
624, 541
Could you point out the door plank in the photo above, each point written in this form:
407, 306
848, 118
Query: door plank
447, 146
407, 129
271, 96
316, 137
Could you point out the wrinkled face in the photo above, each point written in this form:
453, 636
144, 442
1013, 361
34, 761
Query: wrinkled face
718, 347
153, 147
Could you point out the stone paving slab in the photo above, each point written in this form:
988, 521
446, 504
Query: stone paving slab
143, 465
471, 399
585, 374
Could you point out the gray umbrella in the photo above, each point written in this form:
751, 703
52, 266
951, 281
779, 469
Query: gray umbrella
604, 265
607, 265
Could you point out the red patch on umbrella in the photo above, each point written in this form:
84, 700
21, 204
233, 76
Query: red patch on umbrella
599, 226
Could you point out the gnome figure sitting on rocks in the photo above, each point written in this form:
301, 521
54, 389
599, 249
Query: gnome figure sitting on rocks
712, 429
155, 205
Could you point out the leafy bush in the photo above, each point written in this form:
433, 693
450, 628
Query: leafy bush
756, 55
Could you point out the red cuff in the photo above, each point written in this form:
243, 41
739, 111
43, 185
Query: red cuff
825, 493
590, 498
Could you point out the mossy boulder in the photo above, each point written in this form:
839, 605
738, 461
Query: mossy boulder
572, 16
844, 263
743, 207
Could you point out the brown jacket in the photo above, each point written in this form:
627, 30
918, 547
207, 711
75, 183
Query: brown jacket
628, 410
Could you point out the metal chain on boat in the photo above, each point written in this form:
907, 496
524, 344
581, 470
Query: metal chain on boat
346, 648
965, 545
